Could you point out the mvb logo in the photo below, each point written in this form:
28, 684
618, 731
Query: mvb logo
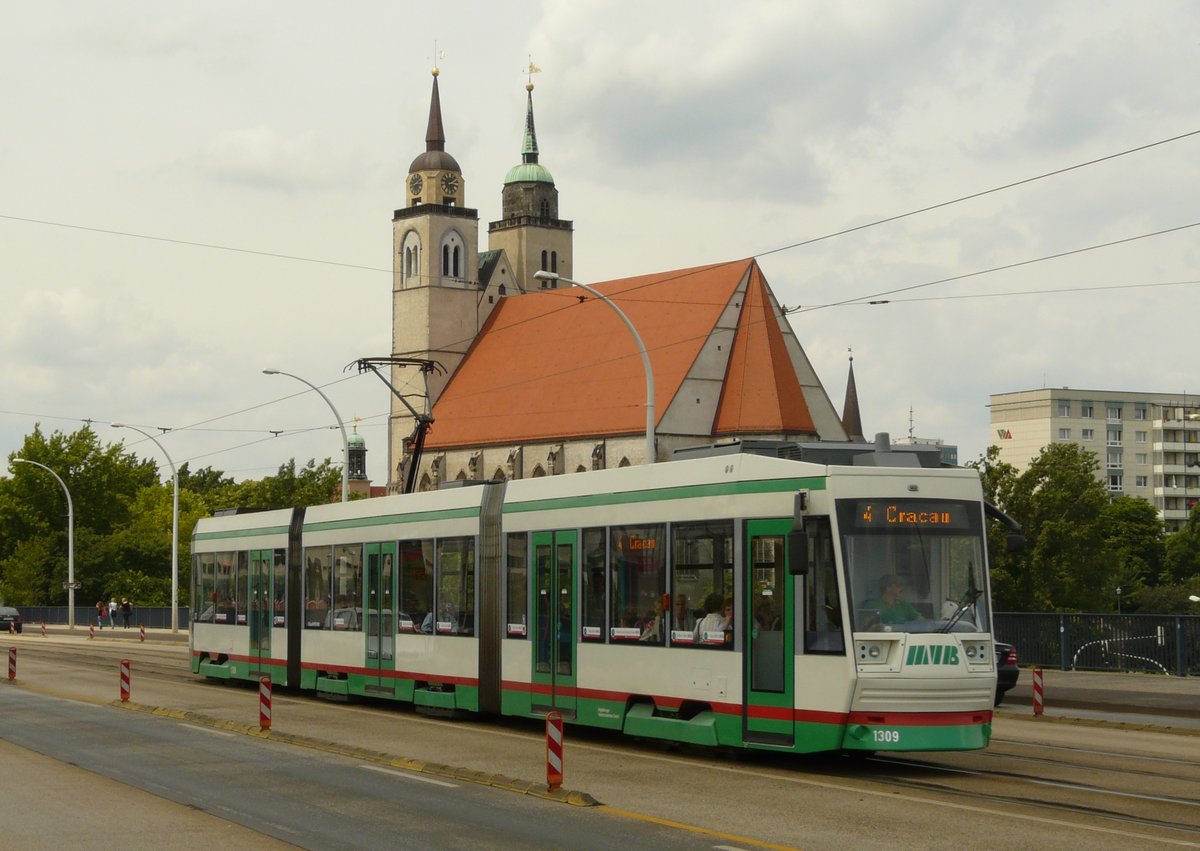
938, 654
1004, 433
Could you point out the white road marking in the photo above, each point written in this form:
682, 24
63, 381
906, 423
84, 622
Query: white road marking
209, 730
410, 775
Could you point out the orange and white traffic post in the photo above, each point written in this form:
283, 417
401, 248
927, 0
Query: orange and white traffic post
43, 629
143, 630
12, 663
264, 703
554, 751
1038, 701
124, 680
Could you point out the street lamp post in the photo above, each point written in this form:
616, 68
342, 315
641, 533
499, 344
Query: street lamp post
637, 338
174, 525
341, 425
70, 541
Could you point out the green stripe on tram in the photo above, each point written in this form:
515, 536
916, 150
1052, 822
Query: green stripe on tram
389, 519
668, 494
241, 533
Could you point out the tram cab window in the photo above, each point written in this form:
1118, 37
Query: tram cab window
455, 587
912, 564
637, 557
822, 608
318, 585
416, 586
347, 612
595, 585
701, 578
517, 622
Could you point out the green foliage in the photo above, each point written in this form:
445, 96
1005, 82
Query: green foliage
123, 518
1080, 546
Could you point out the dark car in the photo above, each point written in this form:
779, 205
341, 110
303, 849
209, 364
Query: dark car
1006, 669
10, 619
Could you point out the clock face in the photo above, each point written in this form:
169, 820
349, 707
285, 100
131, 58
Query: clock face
415, 183
450, 183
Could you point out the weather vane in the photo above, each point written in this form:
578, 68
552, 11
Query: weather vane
438, 55
530, 70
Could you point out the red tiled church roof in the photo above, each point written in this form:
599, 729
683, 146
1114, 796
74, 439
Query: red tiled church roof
560, 364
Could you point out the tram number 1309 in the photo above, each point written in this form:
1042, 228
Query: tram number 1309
889, 736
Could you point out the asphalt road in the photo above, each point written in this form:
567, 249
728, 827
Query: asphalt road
301, 797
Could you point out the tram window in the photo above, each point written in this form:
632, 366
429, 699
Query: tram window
594, 585
456, 587
701, 577
638, 560
822, 609
205, 572
222, 593
517, 622
416, 587
318, 586
347, 588
241, 588
279, 588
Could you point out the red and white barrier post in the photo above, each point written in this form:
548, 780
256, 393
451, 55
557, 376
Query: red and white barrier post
143, 629
124, 680
12, 663
1038, 702
554, 751
43, 630
264, 703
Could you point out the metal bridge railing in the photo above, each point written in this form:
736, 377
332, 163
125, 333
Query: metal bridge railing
1164, 644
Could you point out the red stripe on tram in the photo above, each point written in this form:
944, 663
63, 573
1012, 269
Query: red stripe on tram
922, 719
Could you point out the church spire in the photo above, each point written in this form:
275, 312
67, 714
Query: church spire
851, 419
529, 149
435, 136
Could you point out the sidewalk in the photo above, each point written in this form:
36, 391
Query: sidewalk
107, 634
1105, 691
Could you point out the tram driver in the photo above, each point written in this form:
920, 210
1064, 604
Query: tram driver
890, 603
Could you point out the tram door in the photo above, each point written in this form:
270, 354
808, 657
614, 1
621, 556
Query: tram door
555, 621
768, 627
380, 609
260, 610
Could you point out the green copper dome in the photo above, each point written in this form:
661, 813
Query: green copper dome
528, 173
356, 441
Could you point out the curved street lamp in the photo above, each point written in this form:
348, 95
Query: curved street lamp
637, 338
341, 425
174, 525
70, 540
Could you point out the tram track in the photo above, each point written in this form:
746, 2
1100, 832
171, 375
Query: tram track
1022, 777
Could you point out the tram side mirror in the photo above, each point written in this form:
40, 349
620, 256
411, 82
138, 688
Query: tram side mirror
798, 554
1016, 542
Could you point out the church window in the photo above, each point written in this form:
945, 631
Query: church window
553, 261
538, 472
411, 267
543, 262
445, 259
545, 210
502, 289
456, 261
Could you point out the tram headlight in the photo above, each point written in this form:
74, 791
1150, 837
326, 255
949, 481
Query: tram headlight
871, 651
977, 651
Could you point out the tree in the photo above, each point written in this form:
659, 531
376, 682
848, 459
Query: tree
1133, 534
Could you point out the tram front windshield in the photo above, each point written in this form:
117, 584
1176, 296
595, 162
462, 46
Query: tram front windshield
914, 565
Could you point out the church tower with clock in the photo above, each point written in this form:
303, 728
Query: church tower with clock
443, 287
435, 277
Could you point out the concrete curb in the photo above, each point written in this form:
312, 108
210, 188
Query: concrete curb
467, 775
1097, 722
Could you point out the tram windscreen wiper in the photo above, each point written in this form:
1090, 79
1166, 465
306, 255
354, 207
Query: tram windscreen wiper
965, 602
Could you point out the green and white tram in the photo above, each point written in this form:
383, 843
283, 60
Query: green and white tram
835, 600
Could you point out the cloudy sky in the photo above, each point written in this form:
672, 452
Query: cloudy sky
679, 133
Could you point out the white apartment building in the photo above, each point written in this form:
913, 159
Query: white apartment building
1148, 444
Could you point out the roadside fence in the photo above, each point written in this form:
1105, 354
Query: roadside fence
151, 617
1160, 644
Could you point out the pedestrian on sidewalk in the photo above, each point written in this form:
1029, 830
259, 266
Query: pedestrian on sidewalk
126, 610
112, 613
100, 611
